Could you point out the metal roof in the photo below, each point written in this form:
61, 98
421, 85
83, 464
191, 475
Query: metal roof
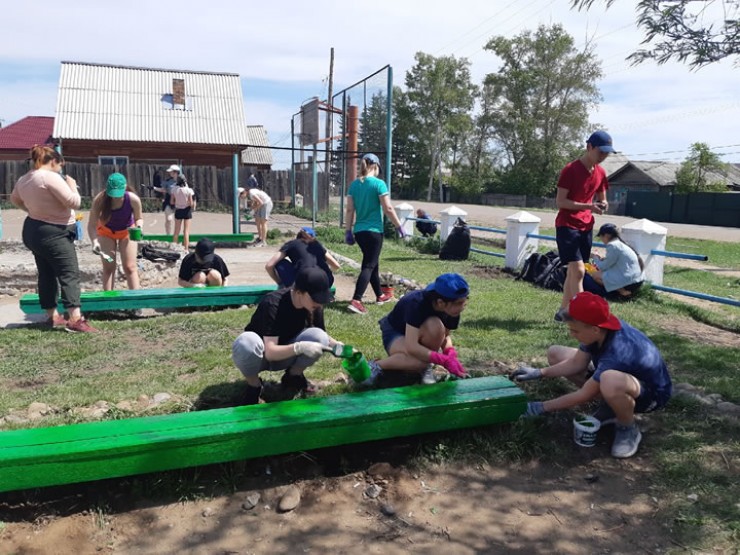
257, 156
119, 103
27, 132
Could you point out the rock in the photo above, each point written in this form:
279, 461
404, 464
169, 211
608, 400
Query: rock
591, 478
715, 397
125, 406
251, 501
207, 512
729, 408
387, 509
101, 405
380, 469
97, 413
41, 408
35, 416
161, 398
373, 490
15, 419
692, 497
290, 499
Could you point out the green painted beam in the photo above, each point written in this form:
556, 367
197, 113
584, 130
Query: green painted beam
93, 451
215, 237
175, 297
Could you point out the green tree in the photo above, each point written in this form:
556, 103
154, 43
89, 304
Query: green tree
684, 30
439, 93
702, 171
538, 104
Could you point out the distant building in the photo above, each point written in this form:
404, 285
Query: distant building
18, 138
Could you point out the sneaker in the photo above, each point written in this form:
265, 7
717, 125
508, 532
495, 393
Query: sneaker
376, 372
604, 414
296, 383
626, 441
57, 321
427, 375
357, 307
385, 298
80, 326
559, 315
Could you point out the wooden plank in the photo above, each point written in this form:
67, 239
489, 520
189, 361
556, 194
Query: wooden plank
82, 452
174, 297
215, 237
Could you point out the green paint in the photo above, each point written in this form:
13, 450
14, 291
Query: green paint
357, 367
92, 451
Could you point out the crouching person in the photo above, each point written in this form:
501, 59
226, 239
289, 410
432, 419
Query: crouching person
203, 267
287, 333
628, 374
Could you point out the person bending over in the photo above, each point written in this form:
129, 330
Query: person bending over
303, 251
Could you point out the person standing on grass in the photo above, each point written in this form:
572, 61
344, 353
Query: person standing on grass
183, 201
367, 200
203, 267
629, 374
303, 251
114, 211
581, 191
286, 332
418, 328
261, 205
49, 233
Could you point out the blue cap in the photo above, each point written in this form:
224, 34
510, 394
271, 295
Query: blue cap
450, 286
601, 140
309, 231
370, 158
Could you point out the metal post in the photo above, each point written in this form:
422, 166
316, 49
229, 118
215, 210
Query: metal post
389, 129
292, 161
235, 191
343, 168
314, 186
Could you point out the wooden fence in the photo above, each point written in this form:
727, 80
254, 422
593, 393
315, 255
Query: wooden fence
213, 185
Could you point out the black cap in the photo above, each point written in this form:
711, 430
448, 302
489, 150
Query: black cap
315, 282
205, 249
608, 229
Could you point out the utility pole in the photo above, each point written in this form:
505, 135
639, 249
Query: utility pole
329, 117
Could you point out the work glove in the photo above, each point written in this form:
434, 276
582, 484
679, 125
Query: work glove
526, 373
311, 349
401, 232
534, 408
449, 363
349, 238
96, 246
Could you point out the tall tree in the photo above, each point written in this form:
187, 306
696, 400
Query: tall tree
539, 104
438, 91
685, 30
702, 171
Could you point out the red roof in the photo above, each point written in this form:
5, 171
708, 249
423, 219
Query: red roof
25, 133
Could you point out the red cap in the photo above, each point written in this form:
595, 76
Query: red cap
593, 310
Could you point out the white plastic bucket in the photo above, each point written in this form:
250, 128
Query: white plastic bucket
585, 429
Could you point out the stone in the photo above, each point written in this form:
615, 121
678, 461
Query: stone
380, 469
208, 511
387, 509
15, 419
729, 408
42, 408
251, 501
125, 406
692, 497
373, 490
161, 398
101, 405
35, 416
290, 499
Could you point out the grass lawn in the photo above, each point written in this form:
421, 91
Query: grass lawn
506, 323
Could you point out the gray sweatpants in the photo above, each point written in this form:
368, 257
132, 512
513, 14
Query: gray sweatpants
248, 352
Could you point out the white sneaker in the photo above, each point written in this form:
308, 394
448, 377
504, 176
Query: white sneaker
626, 441
427, 375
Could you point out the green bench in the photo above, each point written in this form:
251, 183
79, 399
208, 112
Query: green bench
215, 237
111, 449
174, 297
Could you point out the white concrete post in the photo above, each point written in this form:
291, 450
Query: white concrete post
518, 245
404, 211
644, 236
448, 217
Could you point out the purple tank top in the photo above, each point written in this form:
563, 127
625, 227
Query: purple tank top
122, 218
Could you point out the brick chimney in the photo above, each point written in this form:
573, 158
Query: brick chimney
178, 91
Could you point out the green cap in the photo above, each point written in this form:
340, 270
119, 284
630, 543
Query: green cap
116, 185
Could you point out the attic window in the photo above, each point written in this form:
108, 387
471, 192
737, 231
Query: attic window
177, 100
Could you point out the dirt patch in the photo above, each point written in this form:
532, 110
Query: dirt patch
491, 272
701, 333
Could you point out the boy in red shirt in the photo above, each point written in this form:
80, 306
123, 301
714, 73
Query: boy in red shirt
581, 191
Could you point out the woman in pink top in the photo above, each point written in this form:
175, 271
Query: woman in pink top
49, 233
183, 200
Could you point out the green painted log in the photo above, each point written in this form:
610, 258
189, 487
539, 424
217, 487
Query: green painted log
215, 237
92, 451
175, 297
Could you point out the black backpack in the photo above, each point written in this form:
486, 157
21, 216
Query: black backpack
544, 270
457, 245
159, 255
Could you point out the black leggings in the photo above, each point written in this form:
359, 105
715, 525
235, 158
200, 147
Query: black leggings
56, 261
370, 244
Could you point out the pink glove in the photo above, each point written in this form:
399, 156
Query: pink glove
448, 362
450, 351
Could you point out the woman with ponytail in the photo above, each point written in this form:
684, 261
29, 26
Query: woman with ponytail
49, 232
619, 272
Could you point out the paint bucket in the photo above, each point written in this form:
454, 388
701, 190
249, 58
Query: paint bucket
386, 290
585, 429
357, 367
135, 234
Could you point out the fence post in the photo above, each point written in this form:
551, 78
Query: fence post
448, 218
518, 245
404, 211
644, 236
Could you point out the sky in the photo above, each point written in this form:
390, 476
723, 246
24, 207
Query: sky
281, 51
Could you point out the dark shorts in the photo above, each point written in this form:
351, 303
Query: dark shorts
650, 400
573, 244
184, 213
388, 334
